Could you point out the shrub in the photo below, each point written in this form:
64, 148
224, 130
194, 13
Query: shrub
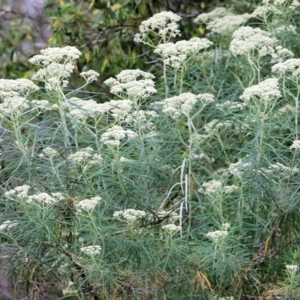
183, 186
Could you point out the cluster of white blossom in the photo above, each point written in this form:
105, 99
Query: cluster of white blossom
278, 54
222, 21
183, 103
266, 90
44, 199
174, 54
228, 23
292, 268
119, 109
90, 75
7, 225
163, 24
279, 30
49, 152
218, 12
114, 135
129, 215
43, 105
279, 169
19, 192
293, 5
87, 204
56, 66
211, 187
142, 118
217, 235
132, 84
290, 66
85, 156
215, 125
55, 54
91, 250
13, 105
295, 145
246, 40
10, 88
171, 228
54, 75
216, 186
81, 109
172, 216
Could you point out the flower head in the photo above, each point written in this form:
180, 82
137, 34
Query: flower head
129, 215
91, 250
266, 90
163, 24
87, 204
246, 40
114, 135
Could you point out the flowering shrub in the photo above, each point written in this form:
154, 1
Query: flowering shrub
184, 185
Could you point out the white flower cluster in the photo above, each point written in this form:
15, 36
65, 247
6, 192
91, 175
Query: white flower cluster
13, 105
218, 12
49, 152
85, 156
174, 54
114, 135
43, 105
87, 204
10, 88
290, 66
228, 23
89, 76
279, 169
91, 250
292, 6
56, 66
295, 145
130, 215
278, 54
82, 109
215, 125
246, 40
172, 216
217, 235
55, 54
222, 21
211, 187
7, 225
171, 228
119, 109
279, 30
142, 118
164, 24
44, 199
132, 84
183, 103
54, 75
292, 268
20, 192
266, 90
260, 11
